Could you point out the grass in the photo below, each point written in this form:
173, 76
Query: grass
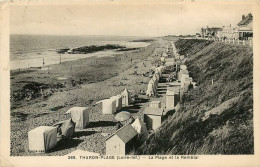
230, 131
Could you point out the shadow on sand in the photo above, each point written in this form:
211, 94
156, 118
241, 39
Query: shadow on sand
66, 144
101, 124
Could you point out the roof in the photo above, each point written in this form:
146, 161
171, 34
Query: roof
153, 111
126, 133
76, 109
42, 129
246, 20
155, 102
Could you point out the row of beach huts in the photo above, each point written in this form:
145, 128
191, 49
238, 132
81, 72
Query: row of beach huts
130, 131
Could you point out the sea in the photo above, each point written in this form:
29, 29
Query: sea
28, 51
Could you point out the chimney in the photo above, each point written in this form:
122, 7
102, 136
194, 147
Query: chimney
250, 15
243, 16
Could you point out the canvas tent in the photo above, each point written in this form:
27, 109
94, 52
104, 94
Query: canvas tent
141, 129
79, 115
150, 89
42, 138
118, 99
108, 106
126, 97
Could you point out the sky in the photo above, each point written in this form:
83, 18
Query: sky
124, 18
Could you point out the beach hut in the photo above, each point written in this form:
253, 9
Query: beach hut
181, 72
126, 97
163, 59
154, 86
172, 98
155, 104
153, 117
42, 138
122, 141
141, 129
108, 106
183, 67
150, 90
80, 116
187, 83
118, 100
183, 77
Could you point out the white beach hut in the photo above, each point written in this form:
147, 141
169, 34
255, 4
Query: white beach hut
42, 138
118, 99
183, 77
79, 115
181, 72
108, 106
153, 117
126, 97
172, 98
183, 67
187, 83
150, 90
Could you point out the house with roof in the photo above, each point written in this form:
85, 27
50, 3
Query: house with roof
245, 27
153, 117
122, 141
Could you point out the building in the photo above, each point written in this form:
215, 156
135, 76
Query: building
245, 27
153, 117
210, 32
122, 141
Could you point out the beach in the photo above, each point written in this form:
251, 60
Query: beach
95, 79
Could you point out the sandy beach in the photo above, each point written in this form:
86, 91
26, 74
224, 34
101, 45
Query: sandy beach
96, 79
